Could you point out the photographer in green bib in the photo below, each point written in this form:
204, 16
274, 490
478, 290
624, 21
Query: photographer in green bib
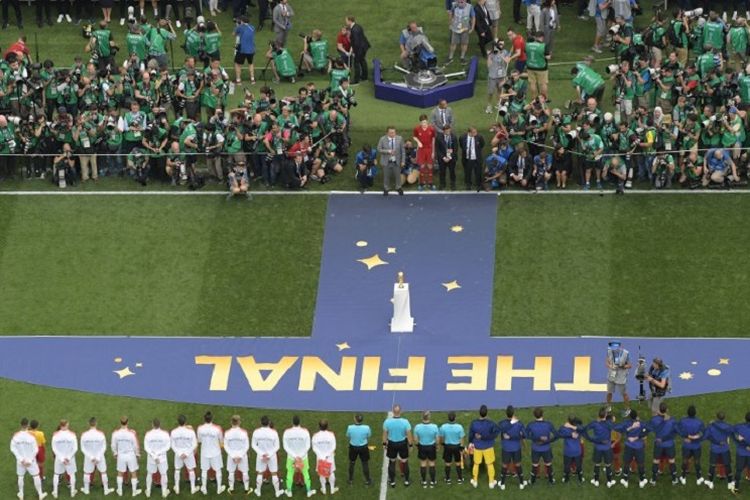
737, 41
677, 33
137, 43
281, 63
102, 46
713, 33
315, 53
157, 38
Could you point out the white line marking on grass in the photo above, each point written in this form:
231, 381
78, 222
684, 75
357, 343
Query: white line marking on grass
574, 192
384, 472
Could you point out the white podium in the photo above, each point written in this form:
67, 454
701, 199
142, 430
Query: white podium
402, 322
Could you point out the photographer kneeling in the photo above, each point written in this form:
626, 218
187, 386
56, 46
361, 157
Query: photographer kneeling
366, 168
63, 168
139, 165
238, 179
658, 383
314, 55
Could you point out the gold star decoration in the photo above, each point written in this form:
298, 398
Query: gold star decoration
373, 261
118, 360
125, 372
713, 372
723, 361
342, 346
457, 228
451, 285
361, 243
686, 376
391, 249
139, 365
693, 363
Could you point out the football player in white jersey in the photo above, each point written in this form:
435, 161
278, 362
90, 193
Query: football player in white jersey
93, 447
156, 443
184, 444
126, 451
211, 439
24, 448
64, 447
265, 443
324, 447
296, 442
237, 444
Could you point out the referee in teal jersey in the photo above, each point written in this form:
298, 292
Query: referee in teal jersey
425, 435
397, 440
452, 437
359, 436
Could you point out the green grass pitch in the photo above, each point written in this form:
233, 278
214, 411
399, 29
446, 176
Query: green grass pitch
659, 266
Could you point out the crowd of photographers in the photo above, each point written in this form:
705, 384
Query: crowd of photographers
141, 119
680, 91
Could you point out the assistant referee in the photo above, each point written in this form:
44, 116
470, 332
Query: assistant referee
359, 434
397, 440
425, 435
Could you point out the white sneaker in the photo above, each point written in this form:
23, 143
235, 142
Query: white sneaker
68, 18
730, 486
522, 485
59, 18
502, 487
137, 492
699, 481
221, 489
643, 483
19, 495
683, 481
257, 492
710, 484
493, 483
474, 483
119, 492
176, 489
204, 490
194, 490
595, 482
334, 491
108, 491
624, 483
230, 490
178, 23
54, 494
278, 493
322, 490
310, 493
611, 483
42, 496
488, 109
84, 491
73, 493
148, 493
165, 493
122, 21
289, 493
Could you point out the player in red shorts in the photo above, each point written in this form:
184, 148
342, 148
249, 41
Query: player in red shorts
424, 138
41, 442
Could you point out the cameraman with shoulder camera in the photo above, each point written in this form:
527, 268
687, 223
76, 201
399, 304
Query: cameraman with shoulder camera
497, 72
618, 368
658, 382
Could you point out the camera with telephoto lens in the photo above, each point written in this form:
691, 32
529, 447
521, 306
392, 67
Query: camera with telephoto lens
612, 68
497, 46
614, 29
691, 14
640, 369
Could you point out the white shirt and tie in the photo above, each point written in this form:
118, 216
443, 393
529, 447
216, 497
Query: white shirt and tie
471, 153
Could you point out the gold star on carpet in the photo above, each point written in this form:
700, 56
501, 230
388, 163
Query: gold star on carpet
723, 361
451, 285
361, 243
391, 249
373, 261
139, 365
714, 372
125, 372
118, 360
693, 363
686, 376
457, 228
342, 346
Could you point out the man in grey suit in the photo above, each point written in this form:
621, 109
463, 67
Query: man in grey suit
392, 157
282, 21
442, 115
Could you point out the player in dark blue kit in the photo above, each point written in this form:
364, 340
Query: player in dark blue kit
741, 436
511, 434
571, 433
718, 434
542, 434
691, 430
664, 428
599, 433
633, 432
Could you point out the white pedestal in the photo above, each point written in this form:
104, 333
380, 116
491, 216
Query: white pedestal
402, 322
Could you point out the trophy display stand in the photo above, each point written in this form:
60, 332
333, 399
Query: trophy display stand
402, 322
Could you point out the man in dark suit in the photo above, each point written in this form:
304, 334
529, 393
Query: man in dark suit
471, 151
360, 46
446, 145
483, 26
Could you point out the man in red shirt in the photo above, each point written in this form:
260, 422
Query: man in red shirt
344, 45
424, 138
519, 50
20, 49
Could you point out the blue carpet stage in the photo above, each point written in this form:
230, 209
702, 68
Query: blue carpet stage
445, 245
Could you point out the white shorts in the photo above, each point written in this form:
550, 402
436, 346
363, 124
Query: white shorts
61, 468
214, 463
232, 466
271, 466
188, 462
152, 467
127, 463
32, 469
89, 467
